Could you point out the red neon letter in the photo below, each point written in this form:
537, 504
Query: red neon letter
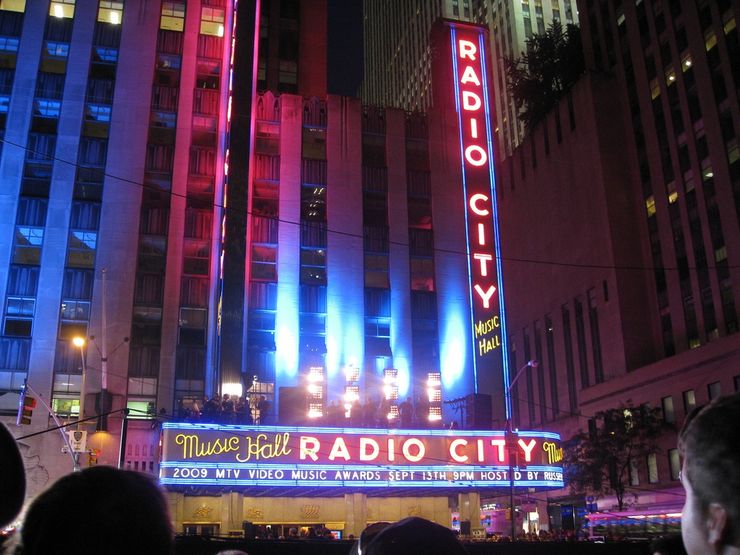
453, 450
469, 76
481, 234
467, 50
476, 156
484, 258
481, 159
471, 101
474, 128
474, 204
369, 449
485, 295
308, 448
499, 444
406, 449
527, 448
339, 449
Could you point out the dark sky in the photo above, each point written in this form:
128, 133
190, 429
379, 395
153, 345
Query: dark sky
345, 47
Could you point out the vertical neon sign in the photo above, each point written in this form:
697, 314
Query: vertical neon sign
479, 187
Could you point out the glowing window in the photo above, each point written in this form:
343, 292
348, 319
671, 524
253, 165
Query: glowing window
729, 25
62, 8
650, 206
212, 21
686, 62
110, 12
652, 466
13, 5
173, 16
710, 40
8, 44
654, 89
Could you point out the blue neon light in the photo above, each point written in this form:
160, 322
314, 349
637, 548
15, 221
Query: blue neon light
453, 35
496, 233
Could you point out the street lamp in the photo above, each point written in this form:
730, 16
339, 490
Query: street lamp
510, 433
80, 342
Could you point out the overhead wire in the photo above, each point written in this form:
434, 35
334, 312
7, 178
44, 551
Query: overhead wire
512, 259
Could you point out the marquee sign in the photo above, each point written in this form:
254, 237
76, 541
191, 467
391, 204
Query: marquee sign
210, 454
471, 97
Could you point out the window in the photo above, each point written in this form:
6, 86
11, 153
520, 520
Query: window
75, 310
714, 390
110, 12
23, 280
81, 249
198, 223
376, 271
13, 5
634, 473
267, 134
148, 289
264, 230
668, 414
263, 296
652, 467
196, 254
264, 261
313, 266
689, 400
28, 242
313, 203
62, 9
674, 463
173, 16
422, 274
212, 21
19, 316
77, 284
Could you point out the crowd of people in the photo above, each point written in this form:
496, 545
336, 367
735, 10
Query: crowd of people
120, 511
228, 409
257, 409
377, 414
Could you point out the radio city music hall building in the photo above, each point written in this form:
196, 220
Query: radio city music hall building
202, 239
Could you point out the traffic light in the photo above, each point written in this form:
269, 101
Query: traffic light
26, 404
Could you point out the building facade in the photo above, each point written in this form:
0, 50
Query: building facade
113, 165
398, 57
620, 218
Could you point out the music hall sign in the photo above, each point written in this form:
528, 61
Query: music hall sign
209, 454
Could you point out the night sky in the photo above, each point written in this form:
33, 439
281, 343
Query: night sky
345, 47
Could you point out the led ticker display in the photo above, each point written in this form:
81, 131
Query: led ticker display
210, 454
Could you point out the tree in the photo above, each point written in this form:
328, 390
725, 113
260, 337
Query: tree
540, 77
598, 462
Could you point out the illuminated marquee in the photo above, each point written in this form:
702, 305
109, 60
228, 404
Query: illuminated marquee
209, 454
471, 95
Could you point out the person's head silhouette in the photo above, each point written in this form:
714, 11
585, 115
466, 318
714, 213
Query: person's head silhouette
98, 510
709, 442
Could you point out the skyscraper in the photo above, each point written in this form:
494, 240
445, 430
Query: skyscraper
620, 224
398, 56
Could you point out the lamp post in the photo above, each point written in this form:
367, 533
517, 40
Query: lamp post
80, 342
510, 437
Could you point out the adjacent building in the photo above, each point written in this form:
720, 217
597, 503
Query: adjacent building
398, 55
620, 227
